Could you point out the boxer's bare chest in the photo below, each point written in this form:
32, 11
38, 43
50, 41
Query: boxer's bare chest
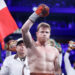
47, 53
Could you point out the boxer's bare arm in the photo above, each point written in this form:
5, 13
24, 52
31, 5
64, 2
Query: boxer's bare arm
26, 34
57, 66
26, 27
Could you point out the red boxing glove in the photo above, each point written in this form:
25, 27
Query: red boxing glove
42, 10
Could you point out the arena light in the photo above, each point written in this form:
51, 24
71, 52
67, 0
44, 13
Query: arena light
34, 8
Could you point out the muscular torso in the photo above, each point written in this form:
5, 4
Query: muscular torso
41, 59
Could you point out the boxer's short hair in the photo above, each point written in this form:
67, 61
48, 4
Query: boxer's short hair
43, 24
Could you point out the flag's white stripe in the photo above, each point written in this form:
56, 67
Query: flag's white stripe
2, 4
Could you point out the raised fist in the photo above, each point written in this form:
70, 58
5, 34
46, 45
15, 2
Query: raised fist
42, 10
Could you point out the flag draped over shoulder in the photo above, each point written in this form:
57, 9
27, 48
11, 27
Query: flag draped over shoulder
7, 23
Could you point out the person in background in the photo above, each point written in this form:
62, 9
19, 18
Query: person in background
69, 69
0, 59
0, 55
16, 64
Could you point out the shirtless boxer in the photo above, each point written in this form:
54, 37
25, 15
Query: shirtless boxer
42, 58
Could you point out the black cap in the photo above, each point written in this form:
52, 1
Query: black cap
20, 40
